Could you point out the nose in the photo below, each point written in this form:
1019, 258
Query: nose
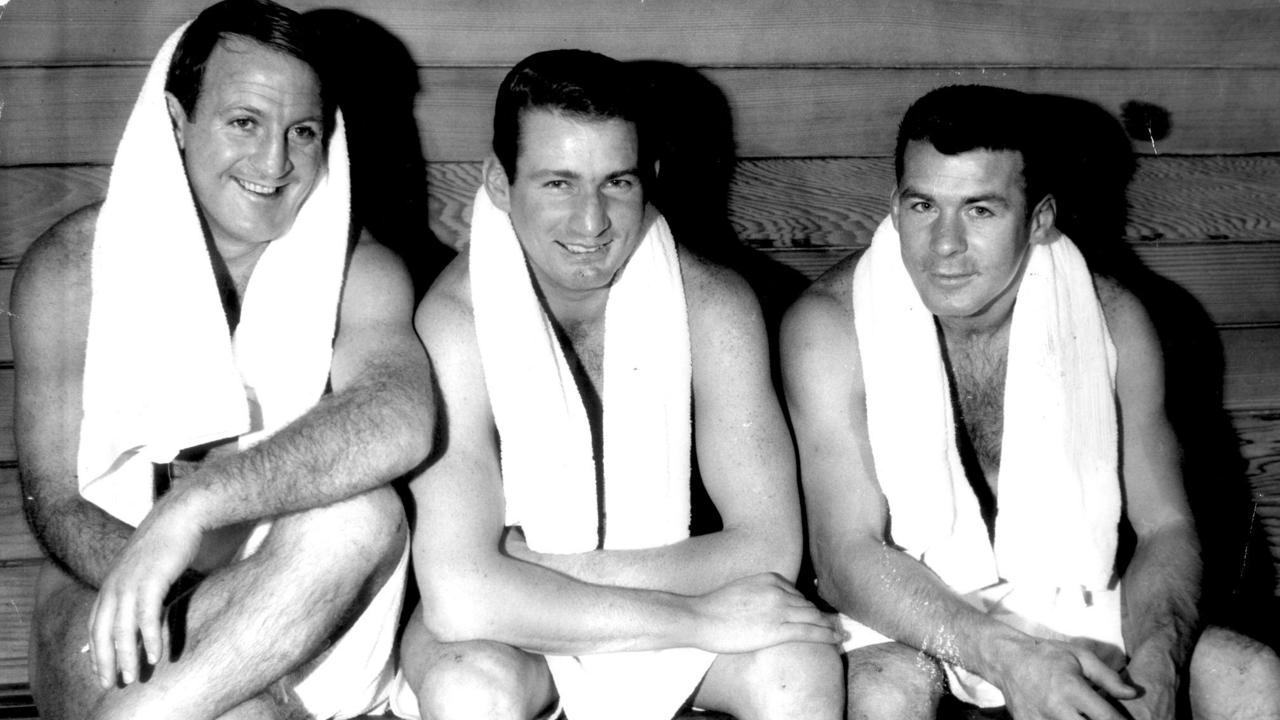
948, 236
591, 215
271, 157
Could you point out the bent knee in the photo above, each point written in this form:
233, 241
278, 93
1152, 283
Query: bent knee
790, 680
1229, 669
892, 680
481, 679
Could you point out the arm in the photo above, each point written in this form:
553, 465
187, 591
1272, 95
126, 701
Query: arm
472, 590
49, 324
1162, 581
860, 572
743, 450
375, 426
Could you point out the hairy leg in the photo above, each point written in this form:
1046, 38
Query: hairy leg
1233, 676
894, 682
795, 680
476, 679
245, 627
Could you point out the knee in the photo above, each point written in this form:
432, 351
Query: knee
1232, 671
476, 679
893, 681
792, 680
362, 532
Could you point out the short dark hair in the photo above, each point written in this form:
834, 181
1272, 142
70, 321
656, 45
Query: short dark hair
578, 83
262, 21
958, 118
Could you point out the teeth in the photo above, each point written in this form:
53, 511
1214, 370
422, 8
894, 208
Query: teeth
580, 249
256, 188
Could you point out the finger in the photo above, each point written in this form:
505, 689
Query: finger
811, 633
125, 636
150, 610
1094, 706
101, 627
1104, 677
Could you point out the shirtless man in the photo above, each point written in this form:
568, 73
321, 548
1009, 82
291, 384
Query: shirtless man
969, 209
570, 171
116, 632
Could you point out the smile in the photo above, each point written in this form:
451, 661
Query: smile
583, 249
257, 189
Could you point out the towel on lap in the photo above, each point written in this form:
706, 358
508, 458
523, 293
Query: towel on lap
548, 468
162, 372
1053, 561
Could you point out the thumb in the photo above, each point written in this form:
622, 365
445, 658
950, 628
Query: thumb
1104, 677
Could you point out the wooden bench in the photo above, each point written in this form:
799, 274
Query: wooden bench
781, 120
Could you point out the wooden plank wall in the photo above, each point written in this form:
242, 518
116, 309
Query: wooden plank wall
779, 121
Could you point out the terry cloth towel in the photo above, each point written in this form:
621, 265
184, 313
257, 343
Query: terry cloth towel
548, 469
1053, 558
161, 372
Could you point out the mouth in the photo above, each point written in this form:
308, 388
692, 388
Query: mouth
260, 190
577, 249
950, 278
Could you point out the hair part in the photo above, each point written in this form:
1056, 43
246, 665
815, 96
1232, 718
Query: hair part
579, 84
959, 118
262, 21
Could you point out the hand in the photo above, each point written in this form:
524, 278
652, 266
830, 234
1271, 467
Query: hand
131, 600
761, 611
1056, 680
1152, 670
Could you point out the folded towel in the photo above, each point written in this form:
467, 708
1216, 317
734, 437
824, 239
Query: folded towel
1059, 489
548, 468
161, 370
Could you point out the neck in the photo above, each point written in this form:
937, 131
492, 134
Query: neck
575, 308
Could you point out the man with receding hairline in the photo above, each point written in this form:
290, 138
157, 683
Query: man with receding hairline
216, 380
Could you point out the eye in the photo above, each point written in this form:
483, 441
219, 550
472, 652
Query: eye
921, 206
982, 212
622, 183
555, 184
306, 133
243, 123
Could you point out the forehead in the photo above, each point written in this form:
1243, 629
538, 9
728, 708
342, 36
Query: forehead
925, 169
243, 71
551, 141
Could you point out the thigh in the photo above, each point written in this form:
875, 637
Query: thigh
63, 682
892, 680
476, 678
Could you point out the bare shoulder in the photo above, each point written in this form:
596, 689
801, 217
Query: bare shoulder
713, 292
52, 287
60, 259
1129, 324
824, 310
375, 270
445, 316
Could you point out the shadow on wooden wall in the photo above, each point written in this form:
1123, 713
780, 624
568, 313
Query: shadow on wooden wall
374, 79
1092, 152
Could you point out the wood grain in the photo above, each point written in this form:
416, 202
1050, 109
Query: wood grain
715, 32
75, 115
16, 541
17, 582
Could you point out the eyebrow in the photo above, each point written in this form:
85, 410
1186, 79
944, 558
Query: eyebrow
988, 198
571, 175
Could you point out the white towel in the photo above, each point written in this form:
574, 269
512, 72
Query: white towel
1059, 490
161, 371
548, 468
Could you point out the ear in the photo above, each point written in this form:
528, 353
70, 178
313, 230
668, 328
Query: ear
177, 117
496, 183
893, 207
1043, 220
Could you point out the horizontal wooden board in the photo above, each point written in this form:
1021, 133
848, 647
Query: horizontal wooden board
74, 115
17, 583
8, 450
712, 32
16, 540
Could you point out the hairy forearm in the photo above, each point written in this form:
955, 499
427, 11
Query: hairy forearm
896, 595
78, 535
1161, 588
693, 566
349, 443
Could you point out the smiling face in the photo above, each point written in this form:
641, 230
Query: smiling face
576, 202
253, 148
965, 230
